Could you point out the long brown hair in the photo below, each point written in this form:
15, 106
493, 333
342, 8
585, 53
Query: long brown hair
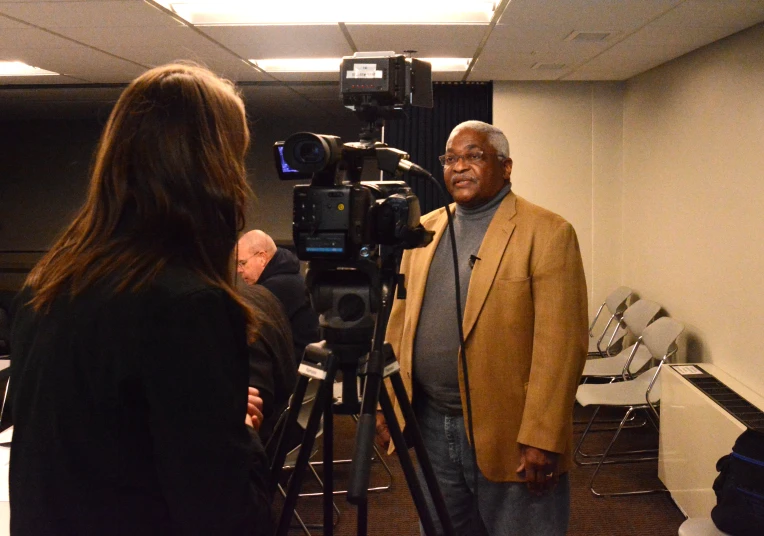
168, 186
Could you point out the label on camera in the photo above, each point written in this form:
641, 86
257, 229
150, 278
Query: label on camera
391, 368
311, 372
364, 70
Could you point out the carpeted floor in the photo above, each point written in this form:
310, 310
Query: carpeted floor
392, 512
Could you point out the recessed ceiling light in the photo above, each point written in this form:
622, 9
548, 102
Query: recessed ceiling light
332, 65
246, 12
18, 68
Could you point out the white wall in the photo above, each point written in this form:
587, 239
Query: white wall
693, 193
661, 176
565, 142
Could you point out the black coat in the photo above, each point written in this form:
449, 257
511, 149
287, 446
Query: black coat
128, 414
282, 277
271, 361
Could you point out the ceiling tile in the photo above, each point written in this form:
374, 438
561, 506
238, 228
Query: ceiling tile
734, 14
585, 15
433, 40
546, 45
92, 13
624, 61
674, 42
5, 22
84, 64
125, 36
307, 77
18, 40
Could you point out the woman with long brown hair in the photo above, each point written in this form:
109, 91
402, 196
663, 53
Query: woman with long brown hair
129, 366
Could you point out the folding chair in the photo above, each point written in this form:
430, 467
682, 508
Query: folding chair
641, 393
635, 319
610, 369
616, 305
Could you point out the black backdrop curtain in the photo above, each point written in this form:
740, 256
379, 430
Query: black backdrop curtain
423, 133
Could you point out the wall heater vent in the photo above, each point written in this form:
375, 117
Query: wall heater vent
733, 403
703, 411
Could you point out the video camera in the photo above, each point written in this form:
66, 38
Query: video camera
338, 217
354, 232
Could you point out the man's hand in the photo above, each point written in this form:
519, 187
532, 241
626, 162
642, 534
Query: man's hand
383, 434
254, 416
539, 468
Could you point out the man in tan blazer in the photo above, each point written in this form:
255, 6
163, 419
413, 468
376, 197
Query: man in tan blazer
523, 295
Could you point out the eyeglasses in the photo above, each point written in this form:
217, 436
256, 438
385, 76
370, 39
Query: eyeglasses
243, 263
470, 158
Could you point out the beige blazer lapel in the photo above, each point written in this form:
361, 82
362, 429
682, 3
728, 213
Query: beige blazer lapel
490, 254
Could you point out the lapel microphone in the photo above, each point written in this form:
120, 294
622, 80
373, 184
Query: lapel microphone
473, 258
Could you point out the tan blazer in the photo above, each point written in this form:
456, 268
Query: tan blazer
525, 329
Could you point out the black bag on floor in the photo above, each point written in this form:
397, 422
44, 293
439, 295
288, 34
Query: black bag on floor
739, 488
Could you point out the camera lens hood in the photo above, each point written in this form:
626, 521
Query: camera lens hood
311, 153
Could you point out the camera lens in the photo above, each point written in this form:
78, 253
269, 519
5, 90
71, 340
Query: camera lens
312, 153
308, 152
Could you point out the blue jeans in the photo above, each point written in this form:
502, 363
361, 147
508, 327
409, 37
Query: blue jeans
505, 508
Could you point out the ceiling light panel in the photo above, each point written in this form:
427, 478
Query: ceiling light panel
246, 12
332, 65
18, 68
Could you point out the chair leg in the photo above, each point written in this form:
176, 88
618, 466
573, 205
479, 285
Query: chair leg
632, 419
633, 460
583, 436
296, 515
598, 455
336, 520
379, 457
628, 417
375, 488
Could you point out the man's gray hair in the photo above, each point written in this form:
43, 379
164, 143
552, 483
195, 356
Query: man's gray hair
495, 136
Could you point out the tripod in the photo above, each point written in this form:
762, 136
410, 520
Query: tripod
342, 351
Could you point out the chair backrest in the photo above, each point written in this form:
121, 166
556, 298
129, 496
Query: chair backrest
613, 302
639, 315
303, 416
616, 305
660, 337
616, 300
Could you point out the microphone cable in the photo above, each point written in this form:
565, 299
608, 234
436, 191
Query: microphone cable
420, 171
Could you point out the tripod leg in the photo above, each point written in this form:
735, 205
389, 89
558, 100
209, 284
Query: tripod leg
328, 465
360, 466
303, 458
417, 493
424, 459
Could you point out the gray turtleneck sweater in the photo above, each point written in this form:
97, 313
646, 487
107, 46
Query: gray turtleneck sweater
436, 348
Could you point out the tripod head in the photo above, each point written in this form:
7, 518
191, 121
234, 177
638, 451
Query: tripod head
349, 298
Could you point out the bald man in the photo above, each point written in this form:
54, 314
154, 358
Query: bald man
261, 262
